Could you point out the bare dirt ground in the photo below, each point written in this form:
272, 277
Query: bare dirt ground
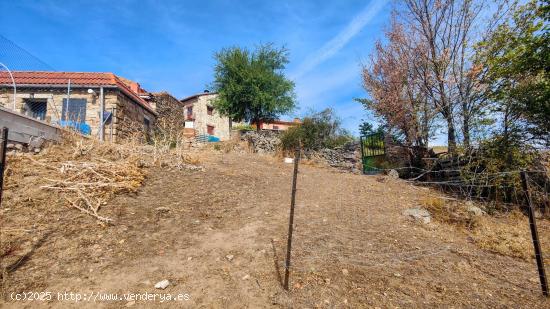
219, 235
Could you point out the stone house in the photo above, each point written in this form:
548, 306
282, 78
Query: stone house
170, 115
202, 119
82, 101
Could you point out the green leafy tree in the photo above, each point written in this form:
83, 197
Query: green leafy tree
251, 86
366, 128
517, 57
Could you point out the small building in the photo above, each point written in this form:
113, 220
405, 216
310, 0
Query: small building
170, 115
202, 119
279, 125
81, 100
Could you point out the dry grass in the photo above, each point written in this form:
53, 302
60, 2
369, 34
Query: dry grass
503, 233
232, 145
507, 235
84, 173
450, 211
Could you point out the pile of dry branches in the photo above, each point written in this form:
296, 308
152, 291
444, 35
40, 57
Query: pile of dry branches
85, 173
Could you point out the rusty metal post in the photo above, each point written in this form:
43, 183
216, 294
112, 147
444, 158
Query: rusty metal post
535, 235
291, 219
3, 149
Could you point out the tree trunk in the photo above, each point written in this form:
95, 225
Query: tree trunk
451, 136
466, 129
507, 145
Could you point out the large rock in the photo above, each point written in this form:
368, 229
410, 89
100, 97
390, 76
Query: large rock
393, 174
474, 210
36, 142
418, 214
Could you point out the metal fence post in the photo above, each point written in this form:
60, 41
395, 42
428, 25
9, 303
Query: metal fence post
535, 235
291, 219
3, 149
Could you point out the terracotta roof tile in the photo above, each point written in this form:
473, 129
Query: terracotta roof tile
77, 79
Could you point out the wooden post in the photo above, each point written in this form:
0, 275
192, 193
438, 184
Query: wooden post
291, 219
535, 235
3, 150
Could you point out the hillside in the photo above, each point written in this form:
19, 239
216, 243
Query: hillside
219, 233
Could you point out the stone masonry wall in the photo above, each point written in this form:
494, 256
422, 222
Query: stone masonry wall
171, 114
129, 119
128, 116
346, 157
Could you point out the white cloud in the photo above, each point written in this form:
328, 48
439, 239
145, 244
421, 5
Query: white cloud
341, 39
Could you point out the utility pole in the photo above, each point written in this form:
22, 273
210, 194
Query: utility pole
101, 114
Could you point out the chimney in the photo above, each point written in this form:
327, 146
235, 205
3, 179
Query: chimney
135, 87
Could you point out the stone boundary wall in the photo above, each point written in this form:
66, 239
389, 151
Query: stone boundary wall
347, 157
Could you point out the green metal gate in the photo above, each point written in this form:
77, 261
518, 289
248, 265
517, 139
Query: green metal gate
373, 151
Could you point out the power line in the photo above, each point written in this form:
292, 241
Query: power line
17, 58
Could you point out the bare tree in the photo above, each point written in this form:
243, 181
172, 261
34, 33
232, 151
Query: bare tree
430, 66
444, 28
396, 91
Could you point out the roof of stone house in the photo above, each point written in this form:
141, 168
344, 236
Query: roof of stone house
196, 96
278, 121
86, 79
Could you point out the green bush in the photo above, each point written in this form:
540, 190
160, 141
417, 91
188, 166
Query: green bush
244, 127
290, 139
318, 130
494, 167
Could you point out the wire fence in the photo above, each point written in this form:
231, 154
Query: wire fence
502, 188
17, 58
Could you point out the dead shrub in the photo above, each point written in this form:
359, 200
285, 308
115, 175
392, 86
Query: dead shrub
502, 233
84, 173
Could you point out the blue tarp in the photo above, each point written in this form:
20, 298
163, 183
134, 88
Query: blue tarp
212, 138
81, 127
207, 138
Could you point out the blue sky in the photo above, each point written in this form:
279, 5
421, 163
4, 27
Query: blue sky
169, 45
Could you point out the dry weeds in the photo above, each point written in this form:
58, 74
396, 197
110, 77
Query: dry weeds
86, 173
507, 234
